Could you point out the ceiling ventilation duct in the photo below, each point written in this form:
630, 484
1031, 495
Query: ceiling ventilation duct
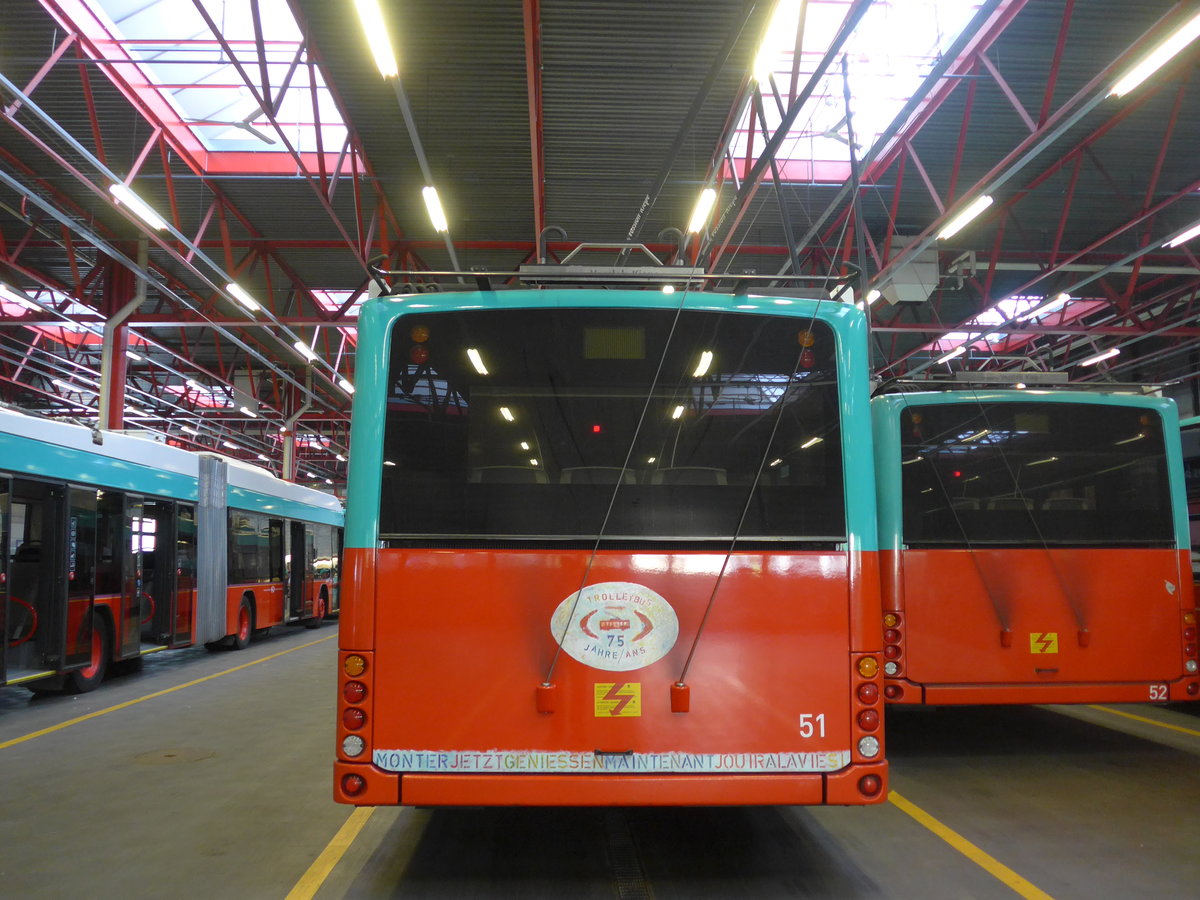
916, 279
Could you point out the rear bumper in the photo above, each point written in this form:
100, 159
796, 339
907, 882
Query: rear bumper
1112, 692
425, 789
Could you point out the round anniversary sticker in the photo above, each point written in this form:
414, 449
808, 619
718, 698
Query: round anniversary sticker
617, 625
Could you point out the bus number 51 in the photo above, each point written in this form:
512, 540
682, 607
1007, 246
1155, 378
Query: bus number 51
811, 724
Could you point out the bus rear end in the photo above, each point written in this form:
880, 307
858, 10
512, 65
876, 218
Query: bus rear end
609, 555
1034, 549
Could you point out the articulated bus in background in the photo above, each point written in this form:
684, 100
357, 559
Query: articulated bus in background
610, 547
119, 546
1034, 548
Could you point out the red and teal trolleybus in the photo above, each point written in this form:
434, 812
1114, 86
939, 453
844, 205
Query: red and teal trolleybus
113, 546
1034, 548
610, 547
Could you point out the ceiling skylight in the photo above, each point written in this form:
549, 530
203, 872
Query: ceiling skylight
890, 53
173, 61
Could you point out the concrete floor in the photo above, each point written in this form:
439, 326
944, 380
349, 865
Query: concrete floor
221, 789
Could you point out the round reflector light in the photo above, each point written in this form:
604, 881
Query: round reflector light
868, 720
1193, 688
1190, 666
891, 669
891, 620
870, 785
419, 334
868, 693
892, 636
354, 691
354, 665
353, 785
1189, 650
354, 718
868, 746
891, 651
1189, 634
353, 745
868, 666
893, 692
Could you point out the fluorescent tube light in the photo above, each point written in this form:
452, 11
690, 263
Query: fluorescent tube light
432, 203
775, 462
263, 458
248, 411
388, 462
477, 361
1038, 462
677, 413
704, 205
13, 297
524, 445
136, 357
668, 288
229, 444
959, 222
1158, 57
1100, 357
1185, 237
953, 354
507, 413
873, 295
306, 351
811, 442
189, 429
239, 294
1055, 302
138, 206
339, 457
377, 37
702, 366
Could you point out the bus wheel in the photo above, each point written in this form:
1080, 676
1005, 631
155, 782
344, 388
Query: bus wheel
245, 625
318, 614
83, 680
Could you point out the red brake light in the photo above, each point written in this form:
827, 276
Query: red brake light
892, 636
354, 718
354, 691
891, 651
870, 785
868, 693
353, 785
868, 720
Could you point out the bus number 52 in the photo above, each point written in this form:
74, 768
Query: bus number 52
1158, 693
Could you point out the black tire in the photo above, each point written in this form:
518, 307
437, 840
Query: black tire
245, 625
318, 613
80, 681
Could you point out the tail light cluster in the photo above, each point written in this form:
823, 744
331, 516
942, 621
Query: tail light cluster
1190, 664
354, 704
893, 653
868, 720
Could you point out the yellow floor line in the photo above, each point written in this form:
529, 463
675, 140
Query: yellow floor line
1116, 712
985, 861
311, 881
179, 687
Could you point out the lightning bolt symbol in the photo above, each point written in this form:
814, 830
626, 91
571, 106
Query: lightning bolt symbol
614, 693
1045, 642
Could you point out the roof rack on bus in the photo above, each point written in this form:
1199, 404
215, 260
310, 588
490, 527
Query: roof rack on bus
1017, 380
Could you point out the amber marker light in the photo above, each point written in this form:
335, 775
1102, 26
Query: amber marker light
354, 665
890, 620
868, 667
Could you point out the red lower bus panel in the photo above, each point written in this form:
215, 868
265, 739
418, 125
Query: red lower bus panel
995, 625
611, 790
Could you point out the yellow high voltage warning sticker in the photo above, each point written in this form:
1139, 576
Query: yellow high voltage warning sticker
619, 699
1043, 642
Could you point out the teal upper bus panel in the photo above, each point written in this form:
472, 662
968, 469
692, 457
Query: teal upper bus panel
379, 316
